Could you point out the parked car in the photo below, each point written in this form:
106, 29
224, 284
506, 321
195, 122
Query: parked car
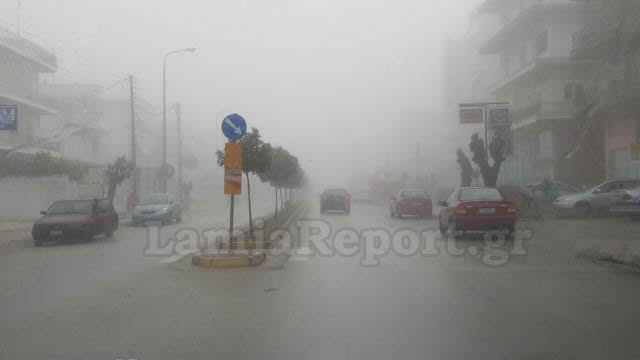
626, 203
335, 200
157, 207
550, 190
477, 209
411, 202
75, 220
596, 200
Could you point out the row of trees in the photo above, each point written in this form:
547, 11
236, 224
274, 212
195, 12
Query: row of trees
274, 165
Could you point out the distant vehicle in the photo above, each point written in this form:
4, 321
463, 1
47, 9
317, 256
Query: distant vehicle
157, 207
626, 203
596, 200
75, 219
477, 209
550, 190
335, 200
411, 202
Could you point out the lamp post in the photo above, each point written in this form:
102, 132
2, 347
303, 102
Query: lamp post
164, 114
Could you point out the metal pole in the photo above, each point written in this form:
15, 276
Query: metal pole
133, 139
486, 131
231, 245
179, 120
164, 125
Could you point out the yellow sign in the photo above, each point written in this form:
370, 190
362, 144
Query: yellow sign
634, 151
232, 181
233, 155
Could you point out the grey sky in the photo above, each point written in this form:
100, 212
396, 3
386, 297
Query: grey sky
320, 77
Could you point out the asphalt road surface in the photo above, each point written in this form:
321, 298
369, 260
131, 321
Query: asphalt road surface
107, 300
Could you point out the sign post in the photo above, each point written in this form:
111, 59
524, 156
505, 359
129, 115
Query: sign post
234, 128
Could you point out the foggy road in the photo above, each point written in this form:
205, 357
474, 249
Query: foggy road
104, 300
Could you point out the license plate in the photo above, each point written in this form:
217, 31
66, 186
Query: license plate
486, 211
416, 203
55, 232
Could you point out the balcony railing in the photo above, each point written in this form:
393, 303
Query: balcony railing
28, 47
543, 110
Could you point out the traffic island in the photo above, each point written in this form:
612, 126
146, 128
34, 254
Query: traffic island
229, 260
247, 250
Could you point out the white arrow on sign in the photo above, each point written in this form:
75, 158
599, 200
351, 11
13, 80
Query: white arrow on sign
236, 129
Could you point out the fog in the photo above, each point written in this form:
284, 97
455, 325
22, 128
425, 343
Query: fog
349, 87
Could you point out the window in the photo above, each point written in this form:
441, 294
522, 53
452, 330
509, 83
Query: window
542, 43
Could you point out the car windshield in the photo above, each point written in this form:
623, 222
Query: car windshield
480, 194
155, 200
70, 207
335, 192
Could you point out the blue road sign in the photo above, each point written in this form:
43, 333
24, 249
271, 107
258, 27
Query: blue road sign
234, 127
8, 117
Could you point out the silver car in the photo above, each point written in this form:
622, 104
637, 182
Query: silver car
627, 203
157, 207
596, 200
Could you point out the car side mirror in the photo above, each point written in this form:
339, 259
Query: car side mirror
443, 203
43, 212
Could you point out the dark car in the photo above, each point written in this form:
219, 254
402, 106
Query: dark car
75, 220
414, 202
335, 200
157, 207
477, 209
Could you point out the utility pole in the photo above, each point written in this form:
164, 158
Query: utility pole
133, 140
417, 164
179, 121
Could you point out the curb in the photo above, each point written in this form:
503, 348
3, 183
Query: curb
604, 256
228, 261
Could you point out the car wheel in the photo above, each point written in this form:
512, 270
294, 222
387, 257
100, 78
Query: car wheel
36, 242
109, 233
348, 211
179, 218
391, 213
582, 209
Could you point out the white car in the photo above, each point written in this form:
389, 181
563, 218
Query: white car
596, 200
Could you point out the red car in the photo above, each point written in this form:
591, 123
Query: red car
411, 202
75, 219
335, 200
477, 209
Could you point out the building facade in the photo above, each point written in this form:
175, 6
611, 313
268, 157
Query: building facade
612, 41
21, 63
544, 85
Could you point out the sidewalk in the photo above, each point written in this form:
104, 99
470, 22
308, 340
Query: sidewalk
615, 240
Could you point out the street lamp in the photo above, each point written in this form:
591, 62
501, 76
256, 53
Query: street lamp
164, 114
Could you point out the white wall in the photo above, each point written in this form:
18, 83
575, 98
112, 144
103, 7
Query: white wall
23, 198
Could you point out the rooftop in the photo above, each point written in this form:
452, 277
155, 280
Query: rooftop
44, 59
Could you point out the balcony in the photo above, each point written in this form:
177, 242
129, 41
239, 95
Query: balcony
44, 59
541, 111
596, 38
23, 95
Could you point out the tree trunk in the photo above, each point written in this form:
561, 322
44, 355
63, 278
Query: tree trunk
249, 198
111, 192
276, 189
281, 200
